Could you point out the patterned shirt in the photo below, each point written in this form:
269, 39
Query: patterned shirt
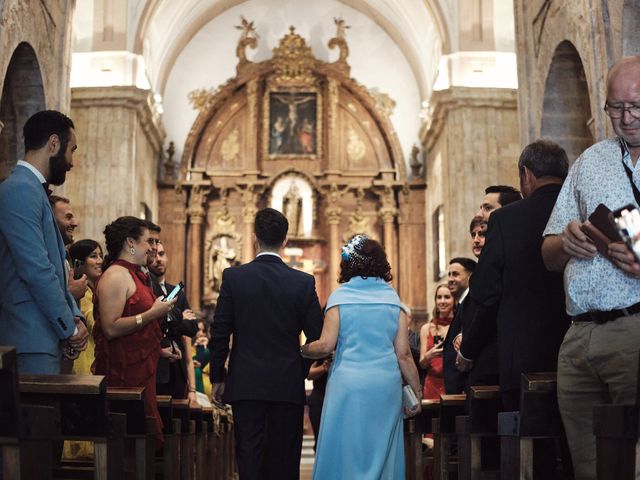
597, 176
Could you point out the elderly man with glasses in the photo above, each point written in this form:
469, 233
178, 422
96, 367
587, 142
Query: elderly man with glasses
598, 360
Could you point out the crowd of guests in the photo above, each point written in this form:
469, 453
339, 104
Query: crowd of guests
542, 295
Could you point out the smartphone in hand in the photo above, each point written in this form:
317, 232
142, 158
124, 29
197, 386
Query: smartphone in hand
173, 293
77, 265
627, 221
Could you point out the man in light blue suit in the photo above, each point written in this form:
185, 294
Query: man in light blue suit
38, 315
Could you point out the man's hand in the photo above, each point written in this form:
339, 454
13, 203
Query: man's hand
189, 315
462, 364
575, 243
457, 342
79, 340
77, 287
217, 389
624, 259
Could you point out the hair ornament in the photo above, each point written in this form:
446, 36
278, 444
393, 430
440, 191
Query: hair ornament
349, 250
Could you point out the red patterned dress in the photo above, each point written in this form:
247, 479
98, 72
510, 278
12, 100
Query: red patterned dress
131, 360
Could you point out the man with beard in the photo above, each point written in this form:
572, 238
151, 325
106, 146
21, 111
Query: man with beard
38, 315
175, 375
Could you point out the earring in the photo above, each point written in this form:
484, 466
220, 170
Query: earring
132, 250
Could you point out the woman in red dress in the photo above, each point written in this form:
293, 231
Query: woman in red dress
127, 332
432, 335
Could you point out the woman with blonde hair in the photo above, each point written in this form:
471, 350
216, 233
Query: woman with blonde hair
432, 335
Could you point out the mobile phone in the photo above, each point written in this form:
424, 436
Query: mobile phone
627, 221
77, 264
175, 291
437, 339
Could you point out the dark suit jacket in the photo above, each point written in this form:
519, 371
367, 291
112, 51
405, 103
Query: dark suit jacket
511, 277
173, 327
454, 380
265, 305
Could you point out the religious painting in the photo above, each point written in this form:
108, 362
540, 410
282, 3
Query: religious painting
293, 128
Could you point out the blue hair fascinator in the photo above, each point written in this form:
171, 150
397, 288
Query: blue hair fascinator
349, 250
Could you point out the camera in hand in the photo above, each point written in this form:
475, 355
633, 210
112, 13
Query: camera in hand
437, 339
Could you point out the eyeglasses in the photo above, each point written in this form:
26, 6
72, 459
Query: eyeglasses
617, 111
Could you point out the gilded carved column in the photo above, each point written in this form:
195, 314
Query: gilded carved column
387, 213
249, 196
196, 214
333, 212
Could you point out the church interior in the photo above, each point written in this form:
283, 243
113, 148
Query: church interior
382, 117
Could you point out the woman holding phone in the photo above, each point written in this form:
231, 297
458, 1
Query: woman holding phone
127, 314
432, 334
86, 257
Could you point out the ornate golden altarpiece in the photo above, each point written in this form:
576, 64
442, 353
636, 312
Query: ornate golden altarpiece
299, 135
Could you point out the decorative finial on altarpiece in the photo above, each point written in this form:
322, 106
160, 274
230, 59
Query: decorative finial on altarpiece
248, 38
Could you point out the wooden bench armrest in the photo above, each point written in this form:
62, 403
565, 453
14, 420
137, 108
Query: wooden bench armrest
62, 384
125, 393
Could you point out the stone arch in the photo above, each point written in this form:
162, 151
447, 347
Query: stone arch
22, 96
566, 111
630, 21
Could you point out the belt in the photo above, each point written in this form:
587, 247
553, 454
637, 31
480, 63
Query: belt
608, 316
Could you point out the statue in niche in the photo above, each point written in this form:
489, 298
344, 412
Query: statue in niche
222, 256
292, 209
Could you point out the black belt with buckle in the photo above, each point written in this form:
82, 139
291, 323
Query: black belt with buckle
608, 316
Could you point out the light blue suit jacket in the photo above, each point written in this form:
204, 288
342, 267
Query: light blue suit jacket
36, 309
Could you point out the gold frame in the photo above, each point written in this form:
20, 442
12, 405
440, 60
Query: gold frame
266, 108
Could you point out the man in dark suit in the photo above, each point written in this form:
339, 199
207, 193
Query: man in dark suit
511, 283
460, 270
265, 305
38, 315
175, 375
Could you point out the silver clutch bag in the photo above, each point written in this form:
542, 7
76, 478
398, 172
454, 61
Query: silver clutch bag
409, 399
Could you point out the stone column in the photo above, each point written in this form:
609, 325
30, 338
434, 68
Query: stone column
196, 213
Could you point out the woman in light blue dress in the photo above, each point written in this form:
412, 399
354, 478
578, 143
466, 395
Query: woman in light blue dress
361, 428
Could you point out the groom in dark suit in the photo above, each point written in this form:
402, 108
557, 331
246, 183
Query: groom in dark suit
265, 305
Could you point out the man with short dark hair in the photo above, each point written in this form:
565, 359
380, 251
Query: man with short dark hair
175, 375
64, 216
38, 315
460, 270
265, 305
598, 360
497, 196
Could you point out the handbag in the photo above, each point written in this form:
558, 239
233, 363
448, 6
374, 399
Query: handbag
409, 399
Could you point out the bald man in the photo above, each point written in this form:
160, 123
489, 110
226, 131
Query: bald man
598, 360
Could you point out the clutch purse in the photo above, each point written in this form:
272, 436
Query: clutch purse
409, 399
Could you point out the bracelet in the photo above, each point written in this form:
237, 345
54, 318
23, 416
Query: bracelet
139, 319
192, 390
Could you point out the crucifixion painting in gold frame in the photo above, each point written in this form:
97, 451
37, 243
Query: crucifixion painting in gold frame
293, 122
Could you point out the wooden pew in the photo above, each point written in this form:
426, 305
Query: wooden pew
617, 431
80, 412
444, 431
25, 430
538, 418
477, 434
187, 434
195, 415
209, 443
141, 429
414, 428
172, 427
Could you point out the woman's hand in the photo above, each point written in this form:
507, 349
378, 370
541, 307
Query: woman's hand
170, 354
161, 307
433, 352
